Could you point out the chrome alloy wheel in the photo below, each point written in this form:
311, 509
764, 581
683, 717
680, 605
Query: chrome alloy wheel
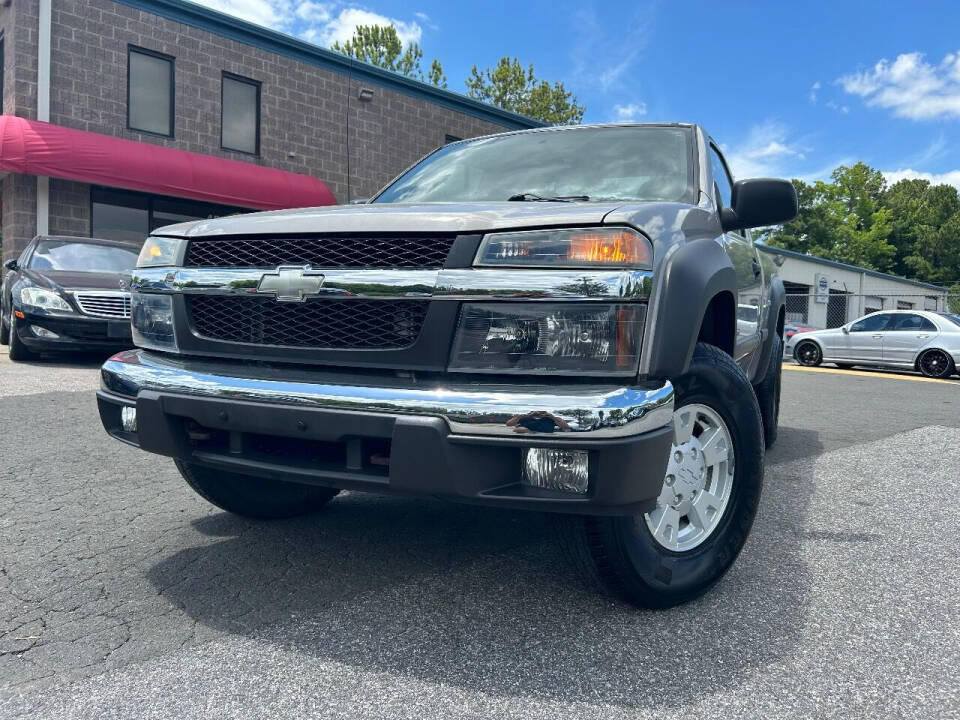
699, 480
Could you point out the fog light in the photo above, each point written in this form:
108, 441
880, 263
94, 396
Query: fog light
565, 470
128, 419
43, 333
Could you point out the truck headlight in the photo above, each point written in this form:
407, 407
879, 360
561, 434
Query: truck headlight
571, 338
43, 299
608, 247
160, 252
151, 322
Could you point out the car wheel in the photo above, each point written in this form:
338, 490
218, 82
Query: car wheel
709, 497
843, 366
18, 351
4, 330
768, 393
252, 496
936, 364
808, 353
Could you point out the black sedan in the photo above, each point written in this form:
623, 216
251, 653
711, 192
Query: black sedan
67, 293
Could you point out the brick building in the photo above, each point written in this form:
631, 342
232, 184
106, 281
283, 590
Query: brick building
179, 76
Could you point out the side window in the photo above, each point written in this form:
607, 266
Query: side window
874, 323
721, 178
911, 323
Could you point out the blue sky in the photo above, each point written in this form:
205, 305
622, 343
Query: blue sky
787, 88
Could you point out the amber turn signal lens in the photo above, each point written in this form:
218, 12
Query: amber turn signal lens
617, 247
567, 247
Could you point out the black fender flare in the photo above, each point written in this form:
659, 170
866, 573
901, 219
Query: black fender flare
776, 299
691, 275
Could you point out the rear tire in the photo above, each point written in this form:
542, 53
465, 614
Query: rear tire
936, 364
808, 353
254, 497
623, 555
18, 351
768, 394
4, 332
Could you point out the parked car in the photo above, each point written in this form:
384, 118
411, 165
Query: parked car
909, 339
543, 320
67, 293
790, 330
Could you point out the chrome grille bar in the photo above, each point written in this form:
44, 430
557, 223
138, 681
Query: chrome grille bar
103, 303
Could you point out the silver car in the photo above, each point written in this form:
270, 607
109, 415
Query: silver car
910, 339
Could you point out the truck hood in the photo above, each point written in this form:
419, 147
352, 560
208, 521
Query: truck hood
399, 217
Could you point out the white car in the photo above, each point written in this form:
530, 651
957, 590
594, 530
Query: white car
911, 339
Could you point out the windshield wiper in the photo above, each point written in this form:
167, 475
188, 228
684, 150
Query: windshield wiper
533, 197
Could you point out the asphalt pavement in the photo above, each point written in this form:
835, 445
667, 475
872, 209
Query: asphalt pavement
124, 595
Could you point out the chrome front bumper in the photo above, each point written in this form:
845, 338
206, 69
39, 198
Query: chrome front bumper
586, 412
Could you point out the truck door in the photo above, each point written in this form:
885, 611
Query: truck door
746, 262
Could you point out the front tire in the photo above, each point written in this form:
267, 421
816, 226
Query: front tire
808, 353
936, 364
254, 497
651, 564
18, 351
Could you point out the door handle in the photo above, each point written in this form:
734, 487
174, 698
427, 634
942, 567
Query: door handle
878, 337
923, 337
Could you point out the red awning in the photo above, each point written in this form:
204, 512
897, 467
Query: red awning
38, 148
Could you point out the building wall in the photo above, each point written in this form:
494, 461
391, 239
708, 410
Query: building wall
865, 290
309, 114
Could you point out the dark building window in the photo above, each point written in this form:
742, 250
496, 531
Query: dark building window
150, 92
447, 139
131, 216
240, 114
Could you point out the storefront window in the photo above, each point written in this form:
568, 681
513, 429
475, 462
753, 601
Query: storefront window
131, 216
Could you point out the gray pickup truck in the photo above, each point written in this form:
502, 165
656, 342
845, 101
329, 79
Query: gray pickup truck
549, 320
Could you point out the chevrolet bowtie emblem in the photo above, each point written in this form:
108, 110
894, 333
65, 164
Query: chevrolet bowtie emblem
291, 284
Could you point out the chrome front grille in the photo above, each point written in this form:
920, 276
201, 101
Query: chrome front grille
104, 303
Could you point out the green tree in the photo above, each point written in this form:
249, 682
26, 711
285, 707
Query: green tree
926, 229
842, 220
380, 45
510, 86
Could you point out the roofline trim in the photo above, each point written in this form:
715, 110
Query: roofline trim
844, 266
273, 41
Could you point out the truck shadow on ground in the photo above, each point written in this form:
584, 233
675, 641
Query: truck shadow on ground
481, 599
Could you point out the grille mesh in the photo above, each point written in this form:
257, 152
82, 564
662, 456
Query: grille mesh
104, 304
332, 324
420, 252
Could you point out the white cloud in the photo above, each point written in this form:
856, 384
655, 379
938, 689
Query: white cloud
951, 177
910, 86
315, 20
813, 92
341, 26
597, 61
766, 152
842, 109
629, 113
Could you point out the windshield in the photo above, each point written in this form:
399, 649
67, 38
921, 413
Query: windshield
952, 317
82, 257
602, 164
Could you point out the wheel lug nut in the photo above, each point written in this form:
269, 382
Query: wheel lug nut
669, 481
678, 499
678, 456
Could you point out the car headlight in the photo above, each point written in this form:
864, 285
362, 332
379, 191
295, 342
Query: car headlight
43, 299
584, 247
160, 252
581, 338
151, 322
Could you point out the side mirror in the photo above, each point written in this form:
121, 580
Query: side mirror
760, 202
846, 329
10, 264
